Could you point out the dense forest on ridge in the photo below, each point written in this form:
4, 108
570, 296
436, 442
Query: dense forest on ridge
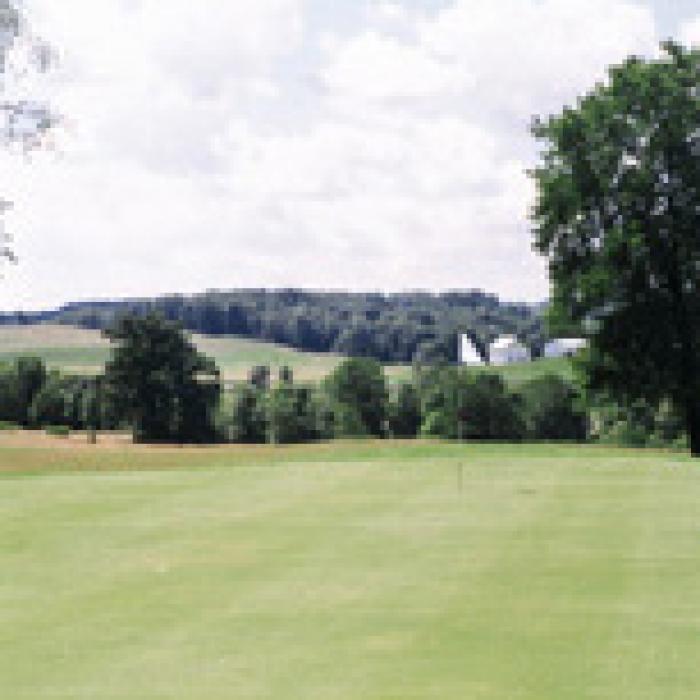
399, 327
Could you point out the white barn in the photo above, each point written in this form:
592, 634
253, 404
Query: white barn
506, 350
468, 352
563, 347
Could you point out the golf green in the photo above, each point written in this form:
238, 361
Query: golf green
351, 570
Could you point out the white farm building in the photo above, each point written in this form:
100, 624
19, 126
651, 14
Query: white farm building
506, 350
563, 347
468, 352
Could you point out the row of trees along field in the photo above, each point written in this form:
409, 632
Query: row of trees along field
389, 327
158, 385
617, 218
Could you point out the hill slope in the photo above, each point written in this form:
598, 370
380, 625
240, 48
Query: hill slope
84, 351
389, 327
81, 350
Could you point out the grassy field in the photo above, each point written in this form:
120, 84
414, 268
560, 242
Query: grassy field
79, 350
520, 372
351, 570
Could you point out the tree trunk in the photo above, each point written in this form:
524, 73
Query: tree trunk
691, 398
689, 394
692, 419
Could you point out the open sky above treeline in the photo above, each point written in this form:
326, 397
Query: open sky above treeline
355, 144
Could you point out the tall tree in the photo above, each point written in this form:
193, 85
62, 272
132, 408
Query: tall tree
292, 414
618, 219
552, 409
249, 419
163, 385
358, 385
30, 374
404, 411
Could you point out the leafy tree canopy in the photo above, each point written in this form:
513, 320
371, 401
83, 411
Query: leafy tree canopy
358, 385
162, 384
617, 219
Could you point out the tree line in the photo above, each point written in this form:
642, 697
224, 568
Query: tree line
161, 387
400, 327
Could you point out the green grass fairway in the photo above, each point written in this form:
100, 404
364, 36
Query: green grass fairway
348, 571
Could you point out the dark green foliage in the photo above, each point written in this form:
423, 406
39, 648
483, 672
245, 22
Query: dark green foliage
165, 388
77, 402
487, 410
75, 396
669, 428
432, 352
404, 412
108, 406
637, 424
459, 405
346, 421
617, 217
249, 417
630, 425
389, 327
19, 384
357, 388
260, 377
285, 413
51, 403
437, 389
11, 411
552, 409
326, 414
292, 414
32, 397
30, 375
91, 407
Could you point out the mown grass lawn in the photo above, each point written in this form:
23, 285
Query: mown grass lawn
352, 570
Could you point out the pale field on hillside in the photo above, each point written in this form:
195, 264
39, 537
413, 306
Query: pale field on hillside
83, 351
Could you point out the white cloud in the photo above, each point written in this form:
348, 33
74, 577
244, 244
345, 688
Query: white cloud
423, 159
187, 165
689, 33
388, 11
514, 55
533, 55
209, 43
379, 66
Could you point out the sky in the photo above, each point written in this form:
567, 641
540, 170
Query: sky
325, 144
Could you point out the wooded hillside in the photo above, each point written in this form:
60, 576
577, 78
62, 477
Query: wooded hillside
390, 327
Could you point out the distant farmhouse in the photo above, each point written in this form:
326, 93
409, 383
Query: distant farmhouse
564, 347
468, 352
506, 350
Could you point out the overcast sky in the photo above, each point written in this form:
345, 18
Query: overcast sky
354, 144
